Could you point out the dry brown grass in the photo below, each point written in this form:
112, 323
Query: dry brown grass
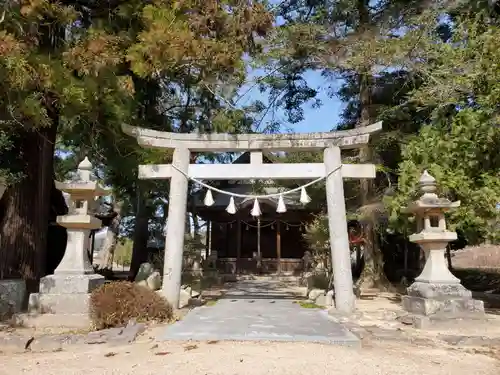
115, 304
478, 257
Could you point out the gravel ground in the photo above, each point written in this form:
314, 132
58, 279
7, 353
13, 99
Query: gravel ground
251, 358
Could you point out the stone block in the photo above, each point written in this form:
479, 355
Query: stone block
315, 293
64, 303
184, 298
12, 295
70, 284
421, 322
154, 281
451, 306
320, 300
438, 291
145, 269
329, 300
34, 303
324, 299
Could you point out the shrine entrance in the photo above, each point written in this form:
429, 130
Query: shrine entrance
332, 171
266, 244
240, 244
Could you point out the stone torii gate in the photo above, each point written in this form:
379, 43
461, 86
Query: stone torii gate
331, 169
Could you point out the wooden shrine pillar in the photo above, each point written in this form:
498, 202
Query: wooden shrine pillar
208, 239
259, 254
278, 245
226, 233
238, 244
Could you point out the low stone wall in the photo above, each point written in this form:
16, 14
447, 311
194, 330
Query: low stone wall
12, 296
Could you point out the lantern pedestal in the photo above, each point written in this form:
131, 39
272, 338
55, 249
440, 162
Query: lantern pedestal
68, 290
436, 292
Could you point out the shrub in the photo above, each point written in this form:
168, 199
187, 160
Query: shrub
115, 303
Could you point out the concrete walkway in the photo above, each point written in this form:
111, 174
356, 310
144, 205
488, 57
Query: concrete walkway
259, 310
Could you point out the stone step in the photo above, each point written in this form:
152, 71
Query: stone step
75, 321
76, 303
274, 277
368, 292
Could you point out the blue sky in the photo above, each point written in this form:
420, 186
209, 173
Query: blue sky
321, 119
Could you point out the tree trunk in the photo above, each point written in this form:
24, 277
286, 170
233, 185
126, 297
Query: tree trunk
26, 205
448, 257
373, 275
141, 235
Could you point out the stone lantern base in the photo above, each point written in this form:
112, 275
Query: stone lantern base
65, 294
444, 300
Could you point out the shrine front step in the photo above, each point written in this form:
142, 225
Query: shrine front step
270, 277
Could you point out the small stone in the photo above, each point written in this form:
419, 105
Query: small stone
315, 293
184, 298
421, 322
329, 298
154, 281
195, 294
145, 270
132, 330
103, 336
406, 320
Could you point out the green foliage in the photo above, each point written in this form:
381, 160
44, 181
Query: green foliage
114, 304
317, 235
462, 157
460, 141
309, 305
123, 252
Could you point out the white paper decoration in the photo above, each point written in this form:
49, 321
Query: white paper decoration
281, 205
209, 199
231, 208
304, 198
256, 209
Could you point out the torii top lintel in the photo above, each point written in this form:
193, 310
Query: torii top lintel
222, 142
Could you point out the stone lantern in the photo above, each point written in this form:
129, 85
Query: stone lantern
436, 291
67, 290
80, 220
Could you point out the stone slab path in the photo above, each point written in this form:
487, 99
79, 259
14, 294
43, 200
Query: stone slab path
259, 310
